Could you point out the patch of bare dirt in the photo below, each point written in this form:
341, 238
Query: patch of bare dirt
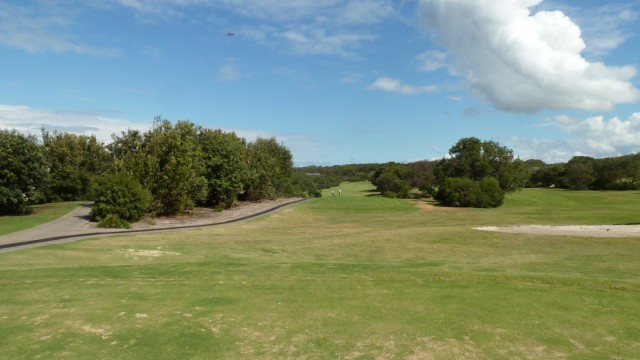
569, 230
207, 216
430, 206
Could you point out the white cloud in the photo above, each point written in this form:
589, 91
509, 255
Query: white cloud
230, 71
28, 120
432, 60
603, 28
303, 27
35, 30
523, 61
594, 136
396, 86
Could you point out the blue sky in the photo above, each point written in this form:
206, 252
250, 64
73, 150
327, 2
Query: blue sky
336, 81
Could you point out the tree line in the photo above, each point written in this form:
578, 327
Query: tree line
479, 173
167, 170
582, 173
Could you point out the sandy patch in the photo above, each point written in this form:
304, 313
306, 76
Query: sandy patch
133, 253
569, 230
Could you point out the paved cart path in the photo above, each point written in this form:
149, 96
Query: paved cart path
75, 225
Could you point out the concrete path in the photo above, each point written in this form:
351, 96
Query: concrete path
75, 226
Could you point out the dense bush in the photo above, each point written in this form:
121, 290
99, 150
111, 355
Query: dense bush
13, 202
120, 195
113, 222
464, 192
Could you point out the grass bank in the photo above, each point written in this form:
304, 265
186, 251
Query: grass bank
41, 214
351, 276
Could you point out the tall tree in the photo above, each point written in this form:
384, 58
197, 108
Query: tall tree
74, 160
167, 161
225, 168
475, 159
23, 170
270, 165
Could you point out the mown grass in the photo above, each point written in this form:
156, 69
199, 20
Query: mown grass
41, 214
355, 276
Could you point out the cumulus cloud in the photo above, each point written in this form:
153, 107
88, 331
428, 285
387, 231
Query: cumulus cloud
30, 121
396, 86
525, 61
595, 136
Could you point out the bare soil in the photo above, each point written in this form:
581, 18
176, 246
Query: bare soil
205, 216
570, 230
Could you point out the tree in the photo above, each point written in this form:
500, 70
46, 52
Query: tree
475, 159
74, 160
167, 161
423, 176
225, 168
270, 165
464, 192
391, 179
580, 172
23, 170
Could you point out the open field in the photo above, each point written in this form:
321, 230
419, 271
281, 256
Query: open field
352, 276
41, 214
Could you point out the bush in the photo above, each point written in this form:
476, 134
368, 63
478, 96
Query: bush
401, 188
120, 195
113, 222
463, 192
13, 202
490, 195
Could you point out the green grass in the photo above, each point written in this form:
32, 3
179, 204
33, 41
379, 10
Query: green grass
41, 214
355, 276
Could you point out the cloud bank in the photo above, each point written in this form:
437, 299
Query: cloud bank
30, 121
521, 60
595, 136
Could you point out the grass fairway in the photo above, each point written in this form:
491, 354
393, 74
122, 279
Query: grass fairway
355, 276
41, 214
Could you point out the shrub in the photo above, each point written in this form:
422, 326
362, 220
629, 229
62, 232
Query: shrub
490, 195
401, 188
13, 202
113, 222
120, 195
463, 192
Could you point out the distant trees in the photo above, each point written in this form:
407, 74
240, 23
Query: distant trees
391, 180
581, 173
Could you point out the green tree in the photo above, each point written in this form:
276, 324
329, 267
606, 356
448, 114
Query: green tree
23, 170
74, 160
270, 165
464, 192
475, 159
167, 161
391, 179
225, 168
580, 172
